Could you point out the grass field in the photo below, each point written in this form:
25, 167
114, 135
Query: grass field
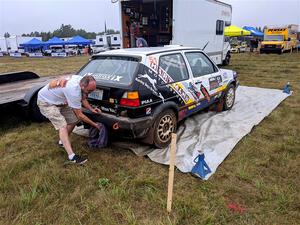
118, 187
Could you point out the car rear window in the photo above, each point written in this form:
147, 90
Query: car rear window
112, 69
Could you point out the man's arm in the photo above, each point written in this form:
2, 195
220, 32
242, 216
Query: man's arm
84, 118
87, 105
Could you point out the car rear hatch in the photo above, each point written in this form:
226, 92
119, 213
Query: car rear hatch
114, 76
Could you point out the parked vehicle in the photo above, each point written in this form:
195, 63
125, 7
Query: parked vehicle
279, 39
144, 92
189, 23
238, 47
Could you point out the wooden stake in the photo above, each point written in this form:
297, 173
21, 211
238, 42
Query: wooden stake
171, 172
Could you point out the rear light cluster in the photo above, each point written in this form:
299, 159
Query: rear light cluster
130, 98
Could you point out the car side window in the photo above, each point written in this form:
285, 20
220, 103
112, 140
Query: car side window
174, 66
200, 64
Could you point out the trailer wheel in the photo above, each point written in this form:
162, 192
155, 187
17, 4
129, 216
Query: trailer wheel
34, 110
226, 61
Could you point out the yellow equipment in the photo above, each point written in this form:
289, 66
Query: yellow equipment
279, 39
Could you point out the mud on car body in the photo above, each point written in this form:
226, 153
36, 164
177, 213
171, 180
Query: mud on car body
144, 92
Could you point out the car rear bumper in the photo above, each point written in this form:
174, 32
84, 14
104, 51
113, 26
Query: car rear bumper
123, 126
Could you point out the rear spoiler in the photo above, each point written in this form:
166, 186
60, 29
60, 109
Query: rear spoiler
17, 76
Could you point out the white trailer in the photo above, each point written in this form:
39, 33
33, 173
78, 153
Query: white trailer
195, 23
13, 43
106, 40
3, 47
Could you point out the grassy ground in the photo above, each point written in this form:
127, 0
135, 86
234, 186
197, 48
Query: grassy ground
118, 187
43, 66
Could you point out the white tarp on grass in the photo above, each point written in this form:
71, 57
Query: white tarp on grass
215, 134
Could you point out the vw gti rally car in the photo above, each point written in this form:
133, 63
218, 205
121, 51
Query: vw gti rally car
144, 92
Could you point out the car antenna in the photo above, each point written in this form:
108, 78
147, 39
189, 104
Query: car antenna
205, 46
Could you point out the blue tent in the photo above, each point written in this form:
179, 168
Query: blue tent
54, 41
32, 44
254, 32
78, 40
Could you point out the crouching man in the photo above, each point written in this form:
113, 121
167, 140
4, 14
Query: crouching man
61, 101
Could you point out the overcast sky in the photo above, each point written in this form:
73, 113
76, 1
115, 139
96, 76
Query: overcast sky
24, 16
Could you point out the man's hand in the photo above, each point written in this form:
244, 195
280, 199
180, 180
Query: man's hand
99, 126
96, 110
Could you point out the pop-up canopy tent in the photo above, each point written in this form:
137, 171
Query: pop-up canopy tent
254, 32
32, 44
234, 31
78, 40
54, 41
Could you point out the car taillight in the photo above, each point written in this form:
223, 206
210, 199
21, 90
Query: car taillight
130, 98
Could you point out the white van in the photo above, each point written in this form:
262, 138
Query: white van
196, 23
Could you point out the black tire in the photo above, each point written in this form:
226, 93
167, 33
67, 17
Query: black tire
34, 110
229, 98
226, 61
165, 124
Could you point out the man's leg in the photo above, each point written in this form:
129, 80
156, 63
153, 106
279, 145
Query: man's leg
71, 127
64, 137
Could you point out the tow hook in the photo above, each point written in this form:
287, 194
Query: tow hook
116, 126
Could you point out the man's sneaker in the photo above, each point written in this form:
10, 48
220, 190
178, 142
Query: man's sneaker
60, 144
78, 159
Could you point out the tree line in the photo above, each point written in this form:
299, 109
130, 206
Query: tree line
65, 31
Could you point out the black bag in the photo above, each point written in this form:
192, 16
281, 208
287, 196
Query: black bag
98, 137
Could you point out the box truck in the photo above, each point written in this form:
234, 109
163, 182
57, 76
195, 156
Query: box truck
193, 23
279, 39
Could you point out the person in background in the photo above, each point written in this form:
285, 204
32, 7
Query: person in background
141, 42
61, 102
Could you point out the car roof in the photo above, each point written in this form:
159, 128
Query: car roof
146, 50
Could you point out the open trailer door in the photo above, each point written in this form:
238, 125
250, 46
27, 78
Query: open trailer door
147, 19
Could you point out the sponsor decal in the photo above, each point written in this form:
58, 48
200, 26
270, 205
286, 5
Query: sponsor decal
149, 87
180, 90
153, 63
105, 109
164, 76
215, 82
147, 101
205, 93
193, 89
110, 77
150, 80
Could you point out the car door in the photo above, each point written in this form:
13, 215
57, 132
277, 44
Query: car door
206, 77
173, 78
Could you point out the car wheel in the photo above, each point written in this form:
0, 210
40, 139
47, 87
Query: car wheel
35, 113
164, 126
229, 98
